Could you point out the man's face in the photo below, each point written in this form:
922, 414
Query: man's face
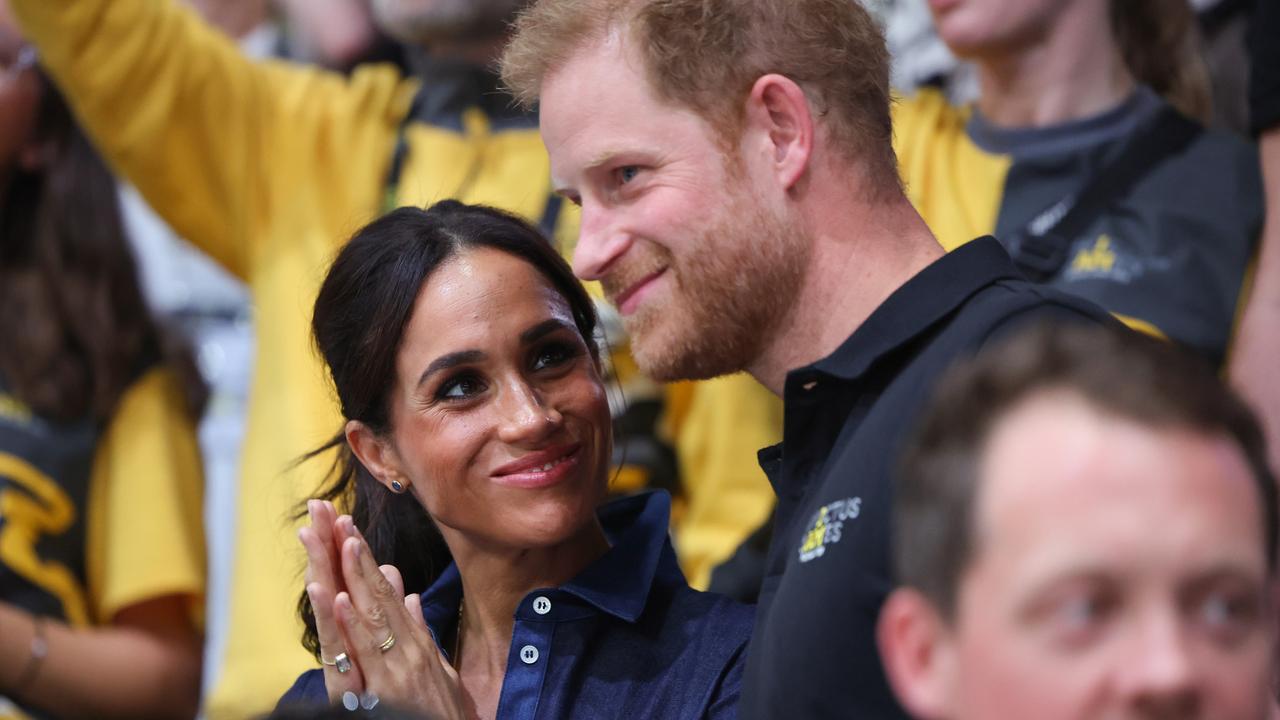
425, 22
1118, 572
689, 241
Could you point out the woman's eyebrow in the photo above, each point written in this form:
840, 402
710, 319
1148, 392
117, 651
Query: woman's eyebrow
444, 362
546, 327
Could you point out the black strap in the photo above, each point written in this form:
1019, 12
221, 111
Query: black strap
1040, 252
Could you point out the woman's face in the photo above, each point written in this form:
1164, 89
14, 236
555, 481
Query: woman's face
978, 28
500, 420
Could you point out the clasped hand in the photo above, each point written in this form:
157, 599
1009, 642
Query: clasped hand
362, 612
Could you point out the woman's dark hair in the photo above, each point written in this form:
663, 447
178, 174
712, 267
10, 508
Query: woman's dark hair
77, 329
1160, 43
360, 316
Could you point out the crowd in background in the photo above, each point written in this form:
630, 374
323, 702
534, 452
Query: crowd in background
178, 176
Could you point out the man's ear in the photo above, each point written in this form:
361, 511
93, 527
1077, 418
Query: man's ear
914, 648
779, 111
376, 454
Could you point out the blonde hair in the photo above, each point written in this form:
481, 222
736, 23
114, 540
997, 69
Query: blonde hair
707, 54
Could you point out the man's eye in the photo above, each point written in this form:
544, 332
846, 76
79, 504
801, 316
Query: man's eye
627, 173
460, 388
1223, 611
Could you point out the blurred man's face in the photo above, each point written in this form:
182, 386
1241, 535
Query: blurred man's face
1118, 572
426, 22
675, 227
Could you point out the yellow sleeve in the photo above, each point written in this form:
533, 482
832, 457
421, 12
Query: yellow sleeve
216, 143
717, 427
954, 185
145, 529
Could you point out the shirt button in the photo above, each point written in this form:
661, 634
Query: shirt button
529, 654
541, 605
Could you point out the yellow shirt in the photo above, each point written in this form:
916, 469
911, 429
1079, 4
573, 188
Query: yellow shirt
143, 527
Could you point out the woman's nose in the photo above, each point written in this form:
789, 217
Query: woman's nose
526, 416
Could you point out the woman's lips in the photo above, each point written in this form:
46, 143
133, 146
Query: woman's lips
539, 469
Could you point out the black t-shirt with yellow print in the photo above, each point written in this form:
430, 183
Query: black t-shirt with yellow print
1169, 257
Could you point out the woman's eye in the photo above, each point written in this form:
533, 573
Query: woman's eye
552, 355
460, 388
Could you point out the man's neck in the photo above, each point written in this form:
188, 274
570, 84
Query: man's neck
1065, 74
494, 581
850, 274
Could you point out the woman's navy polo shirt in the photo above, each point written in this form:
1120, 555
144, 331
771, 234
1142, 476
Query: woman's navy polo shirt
626, 638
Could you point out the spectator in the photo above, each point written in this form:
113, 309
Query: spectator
1075, 158
268, 167
1254, 356
742, 208
1085, 526
101, 543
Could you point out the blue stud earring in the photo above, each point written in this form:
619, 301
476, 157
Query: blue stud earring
396, 486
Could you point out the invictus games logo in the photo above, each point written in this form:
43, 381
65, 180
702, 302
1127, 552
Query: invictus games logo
826, 527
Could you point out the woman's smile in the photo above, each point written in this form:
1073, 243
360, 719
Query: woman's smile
541, 468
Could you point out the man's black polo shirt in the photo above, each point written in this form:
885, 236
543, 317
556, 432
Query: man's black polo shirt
813, 652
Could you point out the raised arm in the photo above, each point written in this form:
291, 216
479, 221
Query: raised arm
213, 140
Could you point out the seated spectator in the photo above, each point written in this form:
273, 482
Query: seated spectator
475, 459
1085, 527
1081, 157
101, 541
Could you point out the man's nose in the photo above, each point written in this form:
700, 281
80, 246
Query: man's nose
600, 242
1160, 674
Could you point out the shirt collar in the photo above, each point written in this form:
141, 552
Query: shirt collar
926, 298
618, 583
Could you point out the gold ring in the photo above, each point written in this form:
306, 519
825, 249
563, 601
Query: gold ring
389, 642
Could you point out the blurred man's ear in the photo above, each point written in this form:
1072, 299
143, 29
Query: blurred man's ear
915, 650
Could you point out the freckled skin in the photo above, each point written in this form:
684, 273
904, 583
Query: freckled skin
515, 403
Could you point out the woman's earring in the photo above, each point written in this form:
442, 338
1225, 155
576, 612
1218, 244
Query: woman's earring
397, 486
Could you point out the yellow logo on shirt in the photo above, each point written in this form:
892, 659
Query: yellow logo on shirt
1098, 259
827, 527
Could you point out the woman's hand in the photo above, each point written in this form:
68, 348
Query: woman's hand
398, 658
322, 540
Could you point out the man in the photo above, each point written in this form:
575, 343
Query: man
268, 167
741, 206
1085, 527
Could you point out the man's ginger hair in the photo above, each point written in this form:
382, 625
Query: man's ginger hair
707, 54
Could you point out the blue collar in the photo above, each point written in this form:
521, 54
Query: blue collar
618, 583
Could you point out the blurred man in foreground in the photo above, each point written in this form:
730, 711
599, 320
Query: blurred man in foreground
1085, 527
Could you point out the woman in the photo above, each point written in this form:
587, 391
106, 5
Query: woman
463, 354
101, 543
1067, 89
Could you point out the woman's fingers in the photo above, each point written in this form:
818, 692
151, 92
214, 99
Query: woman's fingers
322, 554
377, 603
341, 672
392, 574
